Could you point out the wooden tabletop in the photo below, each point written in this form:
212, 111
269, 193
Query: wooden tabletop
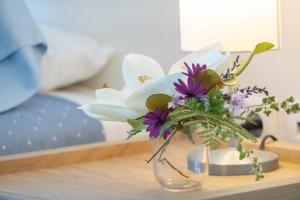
128, 177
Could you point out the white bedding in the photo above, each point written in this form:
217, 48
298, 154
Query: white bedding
82, 94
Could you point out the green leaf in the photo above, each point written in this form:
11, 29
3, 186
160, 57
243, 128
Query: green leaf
158, 101
137, 126
291, 99
210, 79
265, 100
239, 147
262, 47
259, 109
259, 48
216, 102
274, 106
242, 155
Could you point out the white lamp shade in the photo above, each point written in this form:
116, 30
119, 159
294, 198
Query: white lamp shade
238, 24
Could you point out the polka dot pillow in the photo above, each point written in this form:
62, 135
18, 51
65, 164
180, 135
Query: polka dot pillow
46, 122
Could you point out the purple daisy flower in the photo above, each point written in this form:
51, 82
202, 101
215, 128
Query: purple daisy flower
193, 89
155, 120
193, 71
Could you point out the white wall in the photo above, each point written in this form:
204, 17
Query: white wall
280, 70
143, 26
151, 27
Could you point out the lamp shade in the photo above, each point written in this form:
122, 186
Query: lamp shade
238, 24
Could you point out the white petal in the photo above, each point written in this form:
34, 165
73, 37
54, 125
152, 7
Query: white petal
164, 85
110, 105
112, 96
110, 112
136, 65
222, 64
210, 56
95, 116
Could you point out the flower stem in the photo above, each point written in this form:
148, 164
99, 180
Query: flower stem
162, 146
254, 106
173, 167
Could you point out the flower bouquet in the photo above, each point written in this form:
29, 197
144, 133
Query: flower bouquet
200, 96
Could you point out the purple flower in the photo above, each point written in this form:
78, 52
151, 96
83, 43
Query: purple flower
237, 102
193, 89
176, 100
155, 120
193, 71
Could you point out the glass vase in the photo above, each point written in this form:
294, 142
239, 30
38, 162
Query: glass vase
182, 165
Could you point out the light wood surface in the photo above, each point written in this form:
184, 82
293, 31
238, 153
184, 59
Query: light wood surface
121, 173
286, 151
131, 178
71, 155
289, 152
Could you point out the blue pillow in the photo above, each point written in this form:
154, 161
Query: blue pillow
46, 122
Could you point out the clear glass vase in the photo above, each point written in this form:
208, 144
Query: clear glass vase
182, 165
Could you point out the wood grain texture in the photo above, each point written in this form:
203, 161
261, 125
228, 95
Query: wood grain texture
131, 178
286, 151
71, 155
289, 152
120, 177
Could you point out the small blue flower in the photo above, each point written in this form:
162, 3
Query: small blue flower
176, 100
237, 102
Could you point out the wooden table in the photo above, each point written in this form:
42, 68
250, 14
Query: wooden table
118, 171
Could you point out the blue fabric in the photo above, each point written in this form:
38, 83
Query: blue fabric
46, 122
21, 48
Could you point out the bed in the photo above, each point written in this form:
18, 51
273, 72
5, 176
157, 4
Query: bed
83, 94
51, 120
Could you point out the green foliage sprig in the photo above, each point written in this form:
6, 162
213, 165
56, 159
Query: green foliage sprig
217, 124
270, 104
137, 126
290, 106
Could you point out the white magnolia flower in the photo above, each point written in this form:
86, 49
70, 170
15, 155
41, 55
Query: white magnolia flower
143, 77
210, 56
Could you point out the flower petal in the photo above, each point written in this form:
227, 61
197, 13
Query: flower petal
210, 56
137, 100
112, 96
136, 66
222, 64
110, 112
110, 105
93, 115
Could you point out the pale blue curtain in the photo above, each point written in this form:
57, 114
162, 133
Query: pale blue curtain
21, 48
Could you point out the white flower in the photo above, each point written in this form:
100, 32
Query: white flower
143, 77
211, 56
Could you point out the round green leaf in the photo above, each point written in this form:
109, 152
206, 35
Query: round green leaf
158, 101
262, 47
210, 79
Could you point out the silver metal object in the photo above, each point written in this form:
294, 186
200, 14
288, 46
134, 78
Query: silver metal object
226, 162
